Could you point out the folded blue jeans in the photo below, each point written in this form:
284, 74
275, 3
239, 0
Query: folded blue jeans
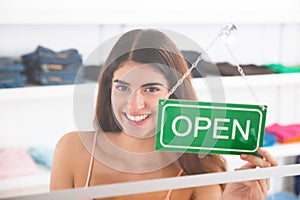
58, 78
10, 65
18, 81
43, 55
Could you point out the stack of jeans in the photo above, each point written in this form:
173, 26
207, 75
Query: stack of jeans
11, 73
46, 67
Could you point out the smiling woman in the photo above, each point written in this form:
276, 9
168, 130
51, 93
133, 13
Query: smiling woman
141, 68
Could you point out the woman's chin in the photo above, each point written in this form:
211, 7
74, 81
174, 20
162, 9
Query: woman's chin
140, 133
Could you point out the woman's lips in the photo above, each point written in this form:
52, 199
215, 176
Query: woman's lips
138, 120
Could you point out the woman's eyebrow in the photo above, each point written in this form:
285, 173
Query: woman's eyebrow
122, 82
144, 85
150, 84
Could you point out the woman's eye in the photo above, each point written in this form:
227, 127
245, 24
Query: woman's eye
122, 87
152, 89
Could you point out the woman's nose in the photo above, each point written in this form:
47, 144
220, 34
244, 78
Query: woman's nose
136, 101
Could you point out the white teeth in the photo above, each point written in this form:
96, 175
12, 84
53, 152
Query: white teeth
136, 118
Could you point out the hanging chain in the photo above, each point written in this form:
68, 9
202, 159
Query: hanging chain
240, 70
189, 71
225, 32
180, 81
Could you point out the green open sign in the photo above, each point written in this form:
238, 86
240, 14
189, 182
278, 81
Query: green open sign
206, 127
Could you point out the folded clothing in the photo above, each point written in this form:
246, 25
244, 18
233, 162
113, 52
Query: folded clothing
17, 81
8, 64
269, 139
44, 55
16, 162
280, 68
11, 73
227, 69
58, 78
205, 68
282, 196
285, 133
42, 155
46, 67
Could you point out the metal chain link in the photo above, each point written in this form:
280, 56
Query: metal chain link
180, 81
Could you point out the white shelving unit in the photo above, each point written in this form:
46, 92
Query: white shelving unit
281, 92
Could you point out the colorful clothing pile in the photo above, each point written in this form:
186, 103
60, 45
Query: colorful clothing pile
285, 133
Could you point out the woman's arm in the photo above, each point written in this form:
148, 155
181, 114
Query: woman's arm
61, 172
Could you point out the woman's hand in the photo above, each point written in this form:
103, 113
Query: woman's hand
251, 190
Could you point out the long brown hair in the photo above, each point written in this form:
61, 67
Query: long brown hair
153, 47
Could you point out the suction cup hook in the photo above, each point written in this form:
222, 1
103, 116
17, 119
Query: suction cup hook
229, 32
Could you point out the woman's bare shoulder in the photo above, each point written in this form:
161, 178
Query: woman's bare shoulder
67, 160
72, 138
71, 142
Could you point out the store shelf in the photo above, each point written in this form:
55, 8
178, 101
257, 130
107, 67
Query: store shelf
25, 185
284, 150
253, 80
278, 151
38, 92
44, 92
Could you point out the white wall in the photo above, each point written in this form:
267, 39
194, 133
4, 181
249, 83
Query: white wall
254, 43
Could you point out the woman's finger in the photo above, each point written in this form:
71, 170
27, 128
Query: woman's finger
255, 160
268, 157
248, 165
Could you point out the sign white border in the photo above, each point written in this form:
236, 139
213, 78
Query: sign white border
207, 148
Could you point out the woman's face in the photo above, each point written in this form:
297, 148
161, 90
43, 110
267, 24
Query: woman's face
136, 89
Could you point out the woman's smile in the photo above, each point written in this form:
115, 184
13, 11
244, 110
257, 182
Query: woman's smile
138, 120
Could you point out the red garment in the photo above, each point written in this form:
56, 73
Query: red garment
285, 133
